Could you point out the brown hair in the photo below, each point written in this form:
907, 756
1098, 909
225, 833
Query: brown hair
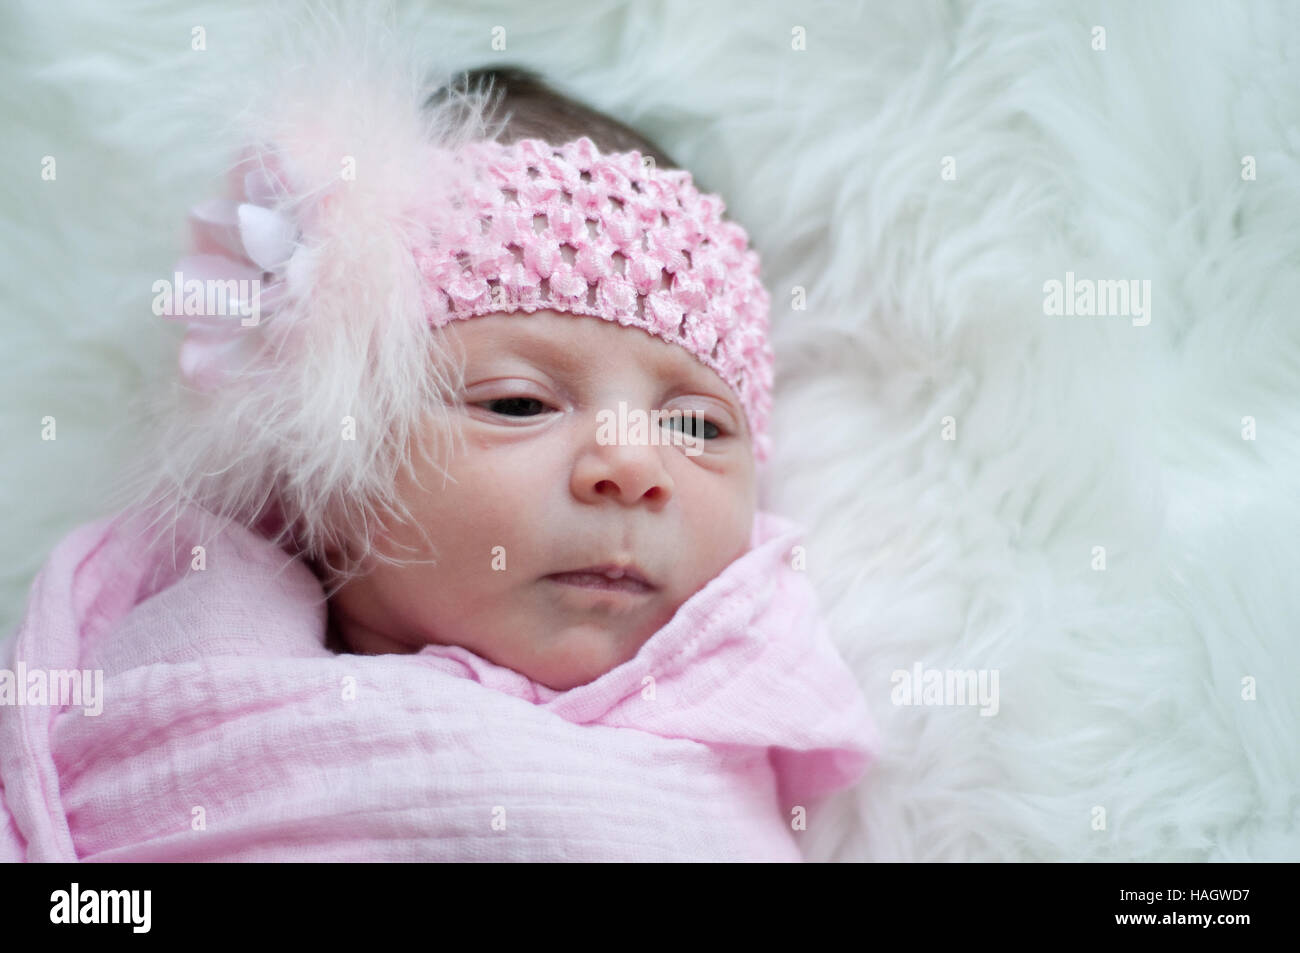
535, 110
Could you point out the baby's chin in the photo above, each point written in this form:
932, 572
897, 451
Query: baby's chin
581, 654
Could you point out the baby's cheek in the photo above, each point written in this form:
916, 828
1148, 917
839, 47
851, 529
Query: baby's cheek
720, 532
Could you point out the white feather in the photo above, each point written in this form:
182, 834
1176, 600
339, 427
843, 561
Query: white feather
345, 383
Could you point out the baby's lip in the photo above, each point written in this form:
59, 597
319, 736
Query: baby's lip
615, 571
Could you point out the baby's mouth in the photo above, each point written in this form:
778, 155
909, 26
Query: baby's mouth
606, 579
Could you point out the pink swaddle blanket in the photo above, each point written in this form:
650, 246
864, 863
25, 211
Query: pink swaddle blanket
230, 732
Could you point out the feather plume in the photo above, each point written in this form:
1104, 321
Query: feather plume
342, 382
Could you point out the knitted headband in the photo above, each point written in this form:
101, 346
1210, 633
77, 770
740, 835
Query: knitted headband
534, 226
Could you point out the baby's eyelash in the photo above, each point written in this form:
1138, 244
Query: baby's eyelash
512, 400
697, 422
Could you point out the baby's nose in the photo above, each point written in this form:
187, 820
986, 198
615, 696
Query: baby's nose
626, 466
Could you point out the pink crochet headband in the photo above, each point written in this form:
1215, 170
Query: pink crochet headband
537, 226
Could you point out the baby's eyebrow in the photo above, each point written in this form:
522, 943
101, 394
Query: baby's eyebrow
528, 346
574, 361
578, 363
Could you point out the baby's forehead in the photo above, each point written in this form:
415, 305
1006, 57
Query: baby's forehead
575, 341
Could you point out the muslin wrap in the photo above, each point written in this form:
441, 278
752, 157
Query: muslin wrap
229, 731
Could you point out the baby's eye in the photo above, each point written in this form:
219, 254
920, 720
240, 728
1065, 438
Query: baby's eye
692, 425
514, 406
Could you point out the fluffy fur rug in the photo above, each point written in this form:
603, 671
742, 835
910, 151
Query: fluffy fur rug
1094, 512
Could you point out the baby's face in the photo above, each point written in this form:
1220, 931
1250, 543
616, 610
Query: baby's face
539, 490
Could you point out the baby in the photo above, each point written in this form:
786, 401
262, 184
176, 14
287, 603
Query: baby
572, 638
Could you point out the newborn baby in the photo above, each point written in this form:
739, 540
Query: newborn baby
565, 641
536, 481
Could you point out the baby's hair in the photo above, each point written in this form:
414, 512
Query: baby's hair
536, 110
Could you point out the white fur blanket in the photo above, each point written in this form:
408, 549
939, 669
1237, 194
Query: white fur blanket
1100, 510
